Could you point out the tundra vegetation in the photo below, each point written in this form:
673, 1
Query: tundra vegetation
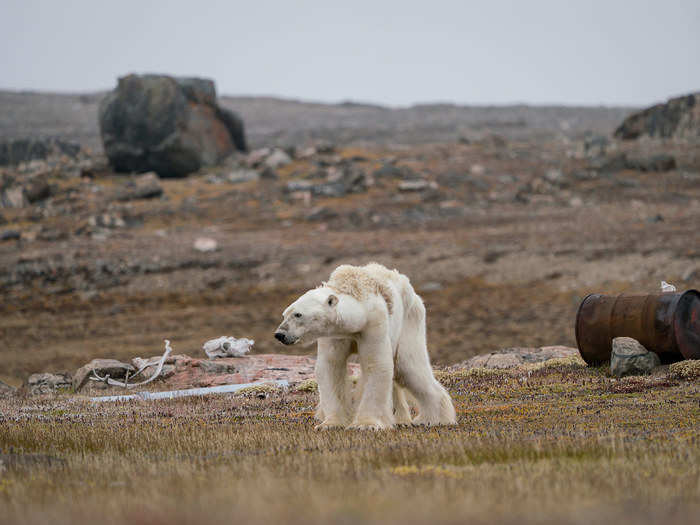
555, 443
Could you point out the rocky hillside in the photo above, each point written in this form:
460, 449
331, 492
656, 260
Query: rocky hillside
272, 121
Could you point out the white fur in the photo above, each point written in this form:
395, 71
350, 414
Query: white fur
375, 312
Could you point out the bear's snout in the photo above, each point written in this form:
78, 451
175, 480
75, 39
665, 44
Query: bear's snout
283, 338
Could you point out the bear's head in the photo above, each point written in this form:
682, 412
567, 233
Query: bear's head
320, 313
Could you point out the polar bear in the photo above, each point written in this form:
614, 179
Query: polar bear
375, 312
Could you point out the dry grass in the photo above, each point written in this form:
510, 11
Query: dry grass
547, 445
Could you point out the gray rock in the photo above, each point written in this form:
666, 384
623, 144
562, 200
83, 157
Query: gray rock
48, 383
629, 357
146, 186
321, 213
595, 146
172, 126
660, 163
416, 185
107, 220
677, 118
235, 127
115, 369
242, 175
37, 190
277, 159
392, 171
554, 176
10, 235
13, 197
655, 163
347, 180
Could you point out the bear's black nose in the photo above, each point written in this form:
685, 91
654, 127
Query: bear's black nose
280, 336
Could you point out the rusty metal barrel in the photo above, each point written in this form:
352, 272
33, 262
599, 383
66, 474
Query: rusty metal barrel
665, 323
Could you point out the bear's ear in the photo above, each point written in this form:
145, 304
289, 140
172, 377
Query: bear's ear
332, 300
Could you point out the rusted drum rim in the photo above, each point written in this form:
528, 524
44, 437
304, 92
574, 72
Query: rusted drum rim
578, 319
686, 324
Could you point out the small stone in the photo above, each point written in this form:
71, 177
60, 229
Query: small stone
10, 235
554, 176
321, 213
256, 157
477, 169
107, 220
629, 357
37, 190
48, 383
13, 197
416, 185
268, 174
305, 153
277, 159
115, 369
243, 176
324, 147
146, 186
205, 244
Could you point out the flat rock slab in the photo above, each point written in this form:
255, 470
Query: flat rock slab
182, 371
194, 372
513, 357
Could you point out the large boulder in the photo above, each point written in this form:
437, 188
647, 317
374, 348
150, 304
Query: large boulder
678, 118
169, 125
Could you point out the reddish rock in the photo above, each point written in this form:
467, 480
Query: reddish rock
195, 372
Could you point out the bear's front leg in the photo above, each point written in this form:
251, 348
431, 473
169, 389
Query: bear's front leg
334, 406
376, 361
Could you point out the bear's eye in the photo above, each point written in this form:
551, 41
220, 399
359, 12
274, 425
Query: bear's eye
297, 315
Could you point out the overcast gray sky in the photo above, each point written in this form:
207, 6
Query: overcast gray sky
393, 52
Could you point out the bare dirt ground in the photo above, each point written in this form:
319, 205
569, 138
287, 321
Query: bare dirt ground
503, 243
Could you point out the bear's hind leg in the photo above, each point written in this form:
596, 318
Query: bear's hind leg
415, 373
